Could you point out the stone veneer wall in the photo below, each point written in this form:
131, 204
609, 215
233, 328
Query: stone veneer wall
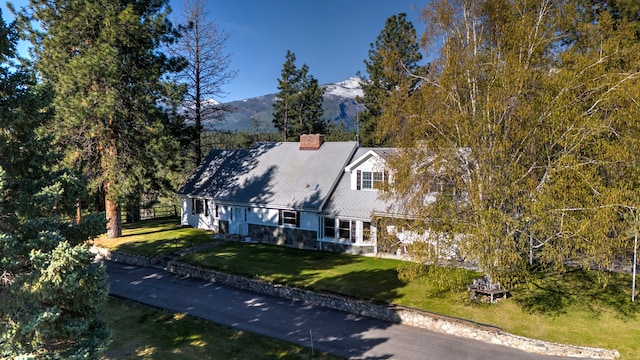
297, 238
349, 249
393, 313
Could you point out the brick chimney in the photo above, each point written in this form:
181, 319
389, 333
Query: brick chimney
311, 141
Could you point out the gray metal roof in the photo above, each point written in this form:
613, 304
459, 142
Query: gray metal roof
210, 176
277, 175
355, 204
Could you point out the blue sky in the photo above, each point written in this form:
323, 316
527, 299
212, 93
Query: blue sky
332, 37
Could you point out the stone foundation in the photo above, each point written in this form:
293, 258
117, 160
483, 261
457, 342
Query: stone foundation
349, 249
291, 237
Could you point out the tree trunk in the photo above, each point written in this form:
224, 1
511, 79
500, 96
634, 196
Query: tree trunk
114, 219
78, 213
111, 207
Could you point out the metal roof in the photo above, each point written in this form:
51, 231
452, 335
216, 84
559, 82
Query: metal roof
356, 204
276, 175
210, 176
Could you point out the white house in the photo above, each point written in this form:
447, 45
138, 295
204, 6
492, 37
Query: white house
309, 194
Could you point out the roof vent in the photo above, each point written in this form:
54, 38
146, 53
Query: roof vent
311, 141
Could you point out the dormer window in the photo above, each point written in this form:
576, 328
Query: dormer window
370, 180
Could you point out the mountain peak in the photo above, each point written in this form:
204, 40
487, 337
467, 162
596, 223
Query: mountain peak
339, 106
349, 88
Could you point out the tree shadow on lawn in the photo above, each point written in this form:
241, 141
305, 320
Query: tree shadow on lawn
163, 246
378, 285
155, 231
253, 259
554, 294
153, 226
309, 269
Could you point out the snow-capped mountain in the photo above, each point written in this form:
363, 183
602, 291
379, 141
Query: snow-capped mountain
257, 113
349, 88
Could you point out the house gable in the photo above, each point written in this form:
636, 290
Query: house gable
368, 171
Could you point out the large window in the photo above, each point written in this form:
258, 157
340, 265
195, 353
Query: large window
330, 227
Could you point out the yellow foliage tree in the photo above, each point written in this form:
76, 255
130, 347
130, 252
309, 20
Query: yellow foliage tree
522, 144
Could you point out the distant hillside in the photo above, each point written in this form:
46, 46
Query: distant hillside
257, 113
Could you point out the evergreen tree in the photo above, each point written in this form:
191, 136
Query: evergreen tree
298, 106
310, 104
104, 61
51, 295
202, 45
393, 66
619, 10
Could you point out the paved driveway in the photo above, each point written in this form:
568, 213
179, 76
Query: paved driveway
343, 334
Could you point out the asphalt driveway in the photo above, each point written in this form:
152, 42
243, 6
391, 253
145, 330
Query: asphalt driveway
343, 334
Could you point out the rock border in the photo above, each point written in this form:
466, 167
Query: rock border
393, 313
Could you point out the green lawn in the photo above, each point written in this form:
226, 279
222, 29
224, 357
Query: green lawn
153, 237
573, 308
143, 332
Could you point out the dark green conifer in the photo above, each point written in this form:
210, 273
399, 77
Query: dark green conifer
393, 65
104, 61
51, 296
298, 106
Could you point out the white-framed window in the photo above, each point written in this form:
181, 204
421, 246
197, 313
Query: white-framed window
199, 206
344, 229
366, 231
329, 227
370, 180
289, 217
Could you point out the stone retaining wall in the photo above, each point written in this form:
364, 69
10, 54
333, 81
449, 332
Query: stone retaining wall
392, 313
123, 257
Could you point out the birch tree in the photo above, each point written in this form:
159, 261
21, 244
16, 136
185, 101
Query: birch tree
523, 138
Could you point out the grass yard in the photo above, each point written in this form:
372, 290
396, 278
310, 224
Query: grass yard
143, 332
154, 237
573, 308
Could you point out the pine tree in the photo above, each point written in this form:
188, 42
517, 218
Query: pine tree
311, 98
298, 106
393, 66
202, 45
51, 295
104, 61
